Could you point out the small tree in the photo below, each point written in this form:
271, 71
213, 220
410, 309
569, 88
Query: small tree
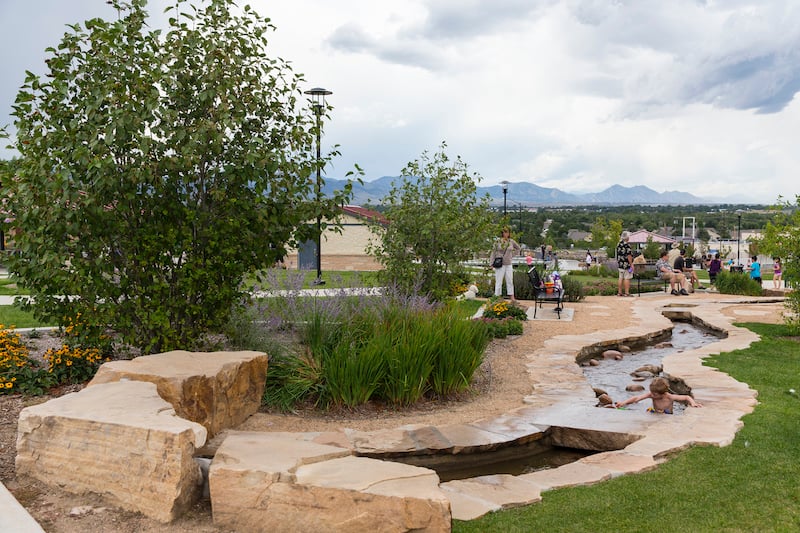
652, 249
156, 170
782, 239
435, 222
606, 233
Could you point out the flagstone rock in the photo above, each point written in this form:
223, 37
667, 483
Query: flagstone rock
119, 440
216, 389
297, 485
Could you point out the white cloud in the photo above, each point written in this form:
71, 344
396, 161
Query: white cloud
575, 94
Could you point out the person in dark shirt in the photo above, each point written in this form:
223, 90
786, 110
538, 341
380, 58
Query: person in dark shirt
714, 267
682, 264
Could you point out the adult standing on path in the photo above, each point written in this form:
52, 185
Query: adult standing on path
624, 265
505, 248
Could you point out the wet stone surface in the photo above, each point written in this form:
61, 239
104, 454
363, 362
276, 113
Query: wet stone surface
614, 376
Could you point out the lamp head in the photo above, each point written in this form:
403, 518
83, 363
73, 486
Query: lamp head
318, 95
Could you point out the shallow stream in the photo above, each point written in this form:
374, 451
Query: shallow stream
614, 376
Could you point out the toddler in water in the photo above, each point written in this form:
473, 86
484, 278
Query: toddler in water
662, 398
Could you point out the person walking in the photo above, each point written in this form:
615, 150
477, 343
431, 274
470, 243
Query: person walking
624, 264
755, 269
503, 252
777, 273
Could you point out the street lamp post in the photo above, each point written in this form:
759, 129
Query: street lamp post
738, 239
318, 95
504, 183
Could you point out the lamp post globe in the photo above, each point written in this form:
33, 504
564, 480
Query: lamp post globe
504, 183
318, 95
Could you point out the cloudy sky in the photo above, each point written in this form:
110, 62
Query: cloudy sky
689, 95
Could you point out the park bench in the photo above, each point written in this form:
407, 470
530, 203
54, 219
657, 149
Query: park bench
638, 274
541, 294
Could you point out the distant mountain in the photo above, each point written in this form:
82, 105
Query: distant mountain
529, 194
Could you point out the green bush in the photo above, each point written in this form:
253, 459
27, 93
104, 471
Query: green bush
353, 374
389, 348
453, 369
514, 326
737, 283
499, 308
573, 289
602, 288
21, 374
291, 380
500, 328
408, 350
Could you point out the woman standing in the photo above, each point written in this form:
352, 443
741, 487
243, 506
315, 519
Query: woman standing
504, 248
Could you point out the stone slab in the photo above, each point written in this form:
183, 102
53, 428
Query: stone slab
489, 493
14, 518
119, 440
262, 482
570, 475
216, 389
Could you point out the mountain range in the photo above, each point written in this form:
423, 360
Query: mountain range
529, 194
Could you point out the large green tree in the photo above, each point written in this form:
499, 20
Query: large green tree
157, 168
435, 222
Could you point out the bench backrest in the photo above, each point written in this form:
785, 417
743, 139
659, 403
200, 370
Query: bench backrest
536, 279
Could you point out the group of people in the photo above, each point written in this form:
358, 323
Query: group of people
675, 267
678, 272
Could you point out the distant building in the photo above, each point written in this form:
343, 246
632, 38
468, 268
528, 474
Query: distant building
347, 250
579, 235
642, 236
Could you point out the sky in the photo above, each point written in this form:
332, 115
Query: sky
685, 95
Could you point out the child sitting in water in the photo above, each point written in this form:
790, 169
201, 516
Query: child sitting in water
662, 398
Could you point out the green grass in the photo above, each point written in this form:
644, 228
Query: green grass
11, 316
751, 485
8, 287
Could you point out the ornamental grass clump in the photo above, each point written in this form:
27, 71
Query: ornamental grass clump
389, 348
453, 369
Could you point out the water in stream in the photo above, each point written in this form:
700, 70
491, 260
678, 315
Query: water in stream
613, 376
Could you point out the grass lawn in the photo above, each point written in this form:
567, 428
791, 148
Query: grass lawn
11, 316
751, 485
8, 287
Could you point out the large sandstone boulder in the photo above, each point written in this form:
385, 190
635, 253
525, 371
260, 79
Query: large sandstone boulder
216, 389
119, 440
263, 482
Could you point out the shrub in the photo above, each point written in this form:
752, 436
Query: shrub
500, 328
514, 326
72, 365
737, 283
392, 347
18, 372
454, 367
573, 289
498, 308
292, 379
